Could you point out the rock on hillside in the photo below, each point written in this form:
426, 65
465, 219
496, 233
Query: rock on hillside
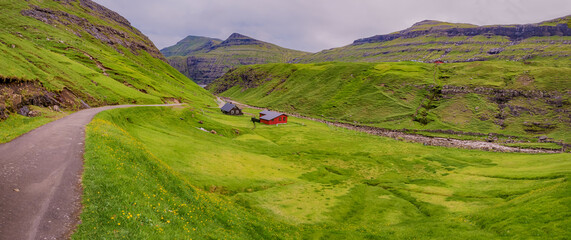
205, 59
430, 41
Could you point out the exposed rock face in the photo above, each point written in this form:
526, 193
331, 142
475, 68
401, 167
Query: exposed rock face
133, 40
514, 33
16, 95
202, 70
499, 94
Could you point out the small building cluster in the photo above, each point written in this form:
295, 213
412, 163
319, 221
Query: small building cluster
272, 118
266, 116
231, 109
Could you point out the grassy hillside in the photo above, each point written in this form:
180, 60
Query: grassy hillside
76, 54
62, 54
153, 173
430, 41
486, 97
206, 60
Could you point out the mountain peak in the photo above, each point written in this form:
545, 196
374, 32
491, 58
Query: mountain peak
238, 39
238, 36
190, 44
427, 22
437, 25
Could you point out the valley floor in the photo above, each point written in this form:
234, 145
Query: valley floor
154, 173
401, 135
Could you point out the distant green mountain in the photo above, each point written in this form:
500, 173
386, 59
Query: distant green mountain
206, 59
430, 41
190, 45
77, 54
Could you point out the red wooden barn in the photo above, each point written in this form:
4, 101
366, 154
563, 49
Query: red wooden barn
272, 118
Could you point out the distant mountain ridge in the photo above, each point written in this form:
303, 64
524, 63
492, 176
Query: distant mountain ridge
429, 41
513, 32
205, 59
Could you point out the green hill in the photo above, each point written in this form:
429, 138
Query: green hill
512, 98
205, 59
76, 54
430, 41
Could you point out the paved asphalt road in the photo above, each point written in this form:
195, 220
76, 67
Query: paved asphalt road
40, 179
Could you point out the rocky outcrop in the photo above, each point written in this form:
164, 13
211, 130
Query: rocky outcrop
16, 95
250, 78
131, 39
500, 95
202, 70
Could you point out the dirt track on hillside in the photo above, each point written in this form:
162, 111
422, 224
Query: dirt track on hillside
432, 141
40, 178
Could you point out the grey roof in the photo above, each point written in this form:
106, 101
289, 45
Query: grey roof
265, 112
270, 115
227, 107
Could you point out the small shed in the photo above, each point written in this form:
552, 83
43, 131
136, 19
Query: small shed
272, 118
231, 109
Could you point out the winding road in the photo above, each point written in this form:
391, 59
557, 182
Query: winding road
40, 178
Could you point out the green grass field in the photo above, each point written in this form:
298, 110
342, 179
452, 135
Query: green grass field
153, 173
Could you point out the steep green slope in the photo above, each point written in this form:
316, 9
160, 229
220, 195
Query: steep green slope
430, 41
76, 54
155, 174
207, 60
485, 97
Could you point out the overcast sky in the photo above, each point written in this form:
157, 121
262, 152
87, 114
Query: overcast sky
315, 25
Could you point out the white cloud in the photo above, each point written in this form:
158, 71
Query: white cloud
314, 25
